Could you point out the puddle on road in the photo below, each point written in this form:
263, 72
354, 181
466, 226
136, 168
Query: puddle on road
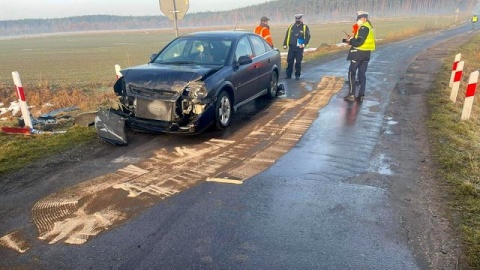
390, 123
78, 213
381, 165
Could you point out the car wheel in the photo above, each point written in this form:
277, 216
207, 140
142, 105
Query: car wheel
223, 110
273, 86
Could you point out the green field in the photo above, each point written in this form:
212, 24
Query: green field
86, 60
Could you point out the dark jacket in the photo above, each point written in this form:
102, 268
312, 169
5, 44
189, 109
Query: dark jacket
296, 31
354, 53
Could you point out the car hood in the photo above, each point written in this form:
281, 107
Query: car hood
165, 77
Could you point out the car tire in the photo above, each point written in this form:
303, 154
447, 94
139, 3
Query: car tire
273, 85
223, 110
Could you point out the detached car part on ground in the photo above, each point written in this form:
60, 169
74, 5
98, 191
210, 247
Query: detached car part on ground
197, 80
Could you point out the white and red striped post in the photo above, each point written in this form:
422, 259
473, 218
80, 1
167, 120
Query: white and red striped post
454, 68
470, 95
456, 81
117, 71
21, 98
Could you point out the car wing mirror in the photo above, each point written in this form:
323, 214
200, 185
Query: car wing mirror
152, 56
243, 60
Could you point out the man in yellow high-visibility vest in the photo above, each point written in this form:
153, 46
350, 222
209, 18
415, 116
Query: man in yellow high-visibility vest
474, 21
362, 44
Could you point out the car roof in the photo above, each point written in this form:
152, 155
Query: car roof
218, 34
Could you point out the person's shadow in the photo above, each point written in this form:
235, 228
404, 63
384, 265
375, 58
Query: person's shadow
351, 114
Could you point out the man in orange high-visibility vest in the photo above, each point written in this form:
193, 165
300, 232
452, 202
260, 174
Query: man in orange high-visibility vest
263, 30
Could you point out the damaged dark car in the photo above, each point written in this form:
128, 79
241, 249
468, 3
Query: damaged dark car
196, 81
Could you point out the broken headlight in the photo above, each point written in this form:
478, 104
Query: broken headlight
119, 87
197, 91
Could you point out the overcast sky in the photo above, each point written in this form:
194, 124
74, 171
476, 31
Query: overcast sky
41, 9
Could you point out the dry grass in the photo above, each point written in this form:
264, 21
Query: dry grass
45, 99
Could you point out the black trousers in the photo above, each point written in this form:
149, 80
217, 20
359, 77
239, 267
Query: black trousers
297, 57
361, 68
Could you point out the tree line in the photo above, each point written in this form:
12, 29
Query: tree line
280, 12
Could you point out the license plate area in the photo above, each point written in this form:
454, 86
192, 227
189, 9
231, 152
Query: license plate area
154, 109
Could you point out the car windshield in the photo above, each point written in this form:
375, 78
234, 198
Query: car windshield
195, 50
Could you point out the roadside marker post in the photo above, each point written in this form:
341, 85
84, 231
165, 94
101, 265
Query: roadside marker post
454, 68
117, 71
456, 81
470, 95
21, 98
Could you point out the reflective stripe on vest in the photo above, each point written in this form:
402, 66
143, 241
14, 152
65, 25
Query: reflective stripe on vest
290, 31
259, 31
369, 44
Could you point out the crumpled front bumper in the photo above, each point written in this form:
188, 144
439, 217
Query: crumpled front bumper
111, 125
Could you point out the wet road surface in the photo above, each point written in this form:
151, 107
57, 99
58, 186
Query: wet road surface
284, 188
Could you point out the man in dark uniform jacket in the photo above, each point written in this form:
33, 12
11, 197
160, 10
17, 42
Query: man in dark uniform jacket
296, 39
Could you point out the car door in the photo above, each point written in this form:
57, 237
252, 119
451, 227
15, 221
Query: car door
245, 77
264, 62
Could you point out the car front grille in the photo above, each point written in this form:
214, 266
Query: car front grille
151, 93
154, 109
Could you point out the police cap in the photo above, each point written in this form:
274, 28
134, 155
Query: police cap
362, 14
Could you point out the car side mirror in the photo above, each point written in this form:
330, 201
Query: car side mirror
243, 60
152, 56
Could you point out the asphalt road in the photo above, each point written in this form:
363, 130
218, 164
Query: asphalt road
302, 182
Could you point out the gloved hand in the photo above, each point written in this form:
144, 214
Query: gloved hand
285, 47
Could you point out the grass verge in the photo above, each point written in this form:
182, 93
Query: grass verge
18, 151
456, 151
